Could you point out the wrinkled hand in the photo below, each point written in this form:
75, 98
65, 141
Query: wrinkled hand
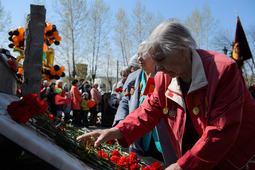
174, 166
99, 136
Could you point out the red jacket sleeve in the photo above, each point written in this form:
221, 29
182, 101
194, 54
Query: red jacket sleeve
59, 99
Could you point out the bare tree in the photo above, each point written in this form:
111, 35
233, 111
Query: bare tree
5, 22
143, 23
201, 25
223, 38
250, 64
64, 55
209, 24
122, 35
139, 14
152, 21
72, 16
195, 25
98, 30
248, 72
251, 37
109, 62
127, 35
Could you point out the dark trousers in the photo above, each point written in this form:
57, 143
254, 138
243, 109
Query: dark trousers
67, 117
93, 115
84, 117
52, 107
76, 118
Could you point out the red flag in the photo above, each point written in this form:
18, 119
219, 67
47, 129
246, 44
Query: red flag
241, 50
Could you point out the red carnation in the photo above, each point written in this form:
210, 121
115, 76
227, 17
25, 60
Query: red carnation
123, 162
154, 166
115, 159
30, 97
103, 154
132, 157
43, 107
62, 128
118, 90
21, 111
111, 141
134, 166
145, 168
51, 116
116, 153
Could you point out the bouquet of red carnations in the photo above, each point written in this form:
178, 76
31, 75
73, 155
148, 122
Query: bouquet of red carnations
21, 111
65, 136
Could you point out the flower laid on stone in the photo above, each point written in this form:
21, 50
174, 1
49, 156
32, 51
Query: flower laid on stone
130, 162
21, 111
108, 156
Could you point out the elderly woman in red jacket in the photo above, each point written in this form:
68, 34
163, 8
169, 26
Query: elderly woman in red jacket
76, 102
207, 109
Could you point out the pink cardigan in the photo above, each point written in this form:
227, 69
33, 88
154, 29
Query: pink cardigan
95, 95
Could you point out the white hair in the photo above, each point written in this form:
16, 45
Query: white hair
141, 49
58, 82
133, 62
167, 37
45, 83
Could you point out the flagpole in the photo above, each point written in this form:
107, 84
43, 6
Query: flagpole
252, 60
236, 14
245, 73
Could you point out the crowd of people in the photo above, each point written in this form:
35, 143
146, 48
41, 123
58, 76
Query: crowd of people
72, 104
81, 103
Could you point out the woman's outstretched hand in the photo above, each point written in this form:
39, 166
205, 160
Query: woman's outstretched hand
99, 136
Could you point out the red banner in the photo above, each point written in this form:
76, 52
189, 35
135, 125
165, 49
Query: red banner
241, 50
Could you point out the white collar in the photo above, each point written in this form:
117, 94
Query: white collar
198, 80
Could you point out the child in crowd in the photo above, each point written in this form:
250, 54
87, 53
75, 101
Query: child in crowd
84, 109
59, 101
67, 106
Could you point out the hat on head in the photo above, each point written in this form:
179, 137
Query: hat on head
74, 82
133, 62
84, 94
58, 90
